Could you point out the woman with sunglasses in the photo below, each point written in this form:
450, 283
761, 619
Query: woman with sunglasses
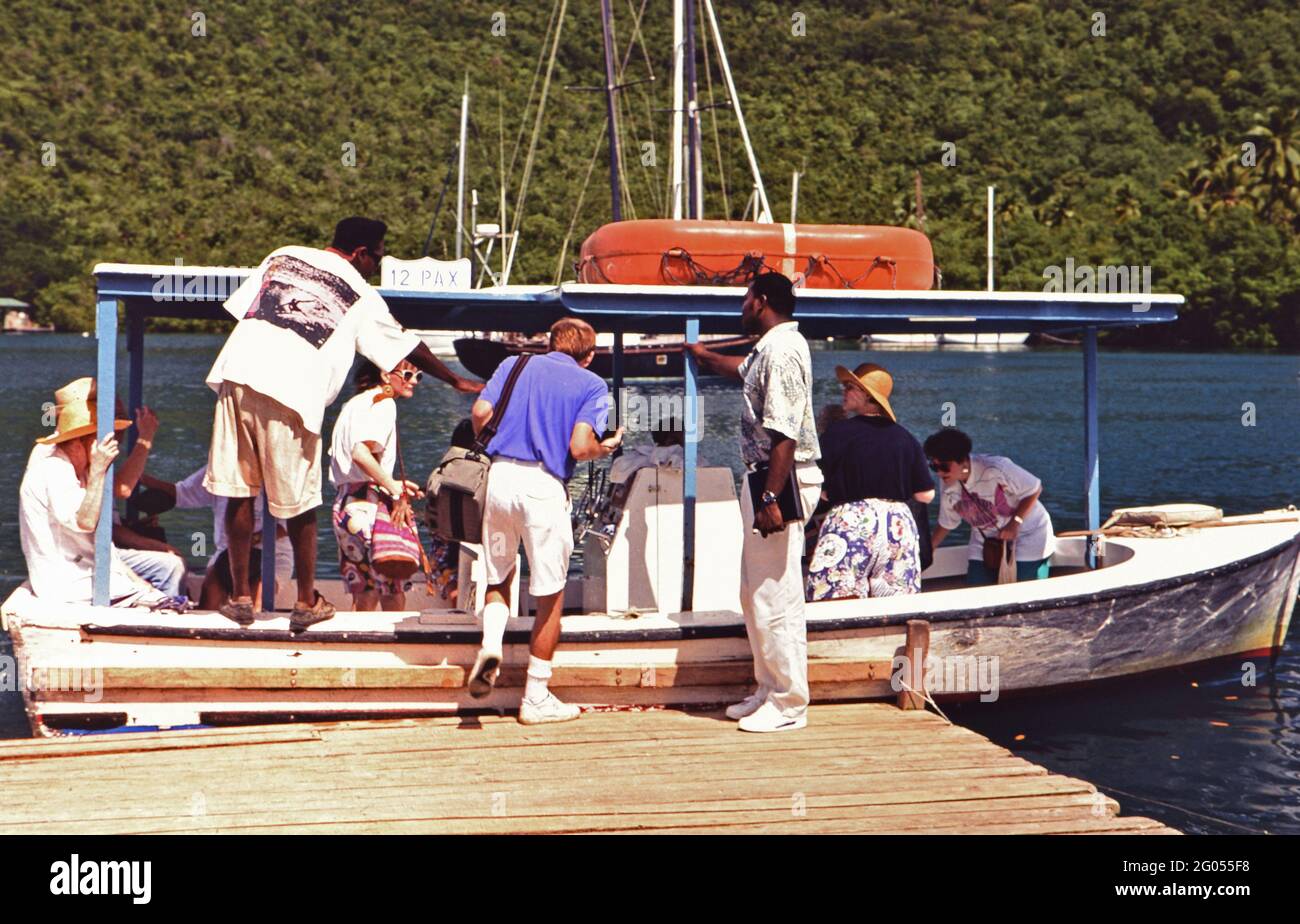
999, 499
868, 545
363, 453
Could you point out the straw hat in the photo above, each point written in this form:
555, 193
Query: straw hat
76, 406
872, 379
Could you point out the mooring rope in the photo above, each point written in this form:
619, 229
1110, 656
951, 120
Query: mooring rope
925, 695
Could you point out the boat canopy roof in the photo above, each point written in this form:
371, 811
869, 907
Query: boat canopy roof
198, 292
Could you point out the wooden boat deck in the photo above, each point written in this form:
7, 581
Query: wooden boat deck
857, 768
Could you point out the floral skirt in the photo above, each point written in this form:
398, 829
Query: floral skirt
866, 548
354, 523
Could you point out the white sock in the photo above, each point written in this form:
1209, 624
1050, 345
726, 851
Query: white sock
495, 615
539, 677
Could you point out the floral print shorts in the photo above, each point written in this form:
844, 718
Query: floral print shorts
354, 522
866, 548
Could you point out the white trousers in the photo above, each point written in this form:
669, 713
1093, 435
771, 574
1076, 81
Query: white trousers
771, 599
527, 503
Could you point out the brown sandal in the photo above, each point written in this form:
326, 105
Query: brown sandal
238, 611
303, 617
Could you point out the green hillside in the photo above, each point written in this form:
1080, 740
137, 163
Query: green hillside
125, 136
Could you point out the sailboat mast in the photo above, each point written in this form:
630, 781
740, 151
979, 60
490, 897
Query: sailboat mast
460, 182
764, 211
607, 23
693, 164
675, 152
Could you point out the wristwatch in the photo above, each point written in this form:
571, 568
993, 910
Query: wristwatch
1019, 519
768, 498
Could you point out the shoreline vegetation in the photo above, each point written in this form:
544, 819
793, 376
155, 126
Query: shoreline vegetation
1164, 139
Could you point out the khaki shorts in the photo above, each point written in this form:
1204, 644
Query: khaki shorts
258, 442
526, 503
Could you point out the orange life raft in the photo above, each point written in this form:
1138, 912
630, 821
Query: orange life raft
667, 252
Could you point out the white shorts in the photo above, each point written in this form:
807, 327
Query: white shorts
527, 503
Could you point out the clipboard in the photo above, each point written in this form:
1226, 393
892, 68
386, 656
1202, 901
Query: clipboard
788, 498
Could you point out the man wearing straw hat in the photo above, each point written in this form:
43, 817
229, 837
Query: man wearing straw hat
778, 444
59, 503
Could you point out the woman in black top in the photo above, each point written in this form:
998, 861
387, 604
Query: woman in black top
869, 545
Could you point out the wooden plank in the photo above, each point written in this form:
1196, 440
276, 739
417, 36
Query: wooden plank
450, 676
308, 805
126, 743
856, 768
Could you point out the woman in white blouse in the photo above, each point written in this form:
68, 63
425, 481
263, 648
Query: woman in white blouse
363, 453
998, 498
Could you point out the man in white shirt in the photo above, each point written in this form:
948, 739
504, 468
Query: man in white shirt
59, 504
778, 436
302, 318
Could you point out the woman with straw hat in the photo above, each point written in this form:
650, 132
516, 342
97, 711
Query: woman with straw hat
868, 545
59, 504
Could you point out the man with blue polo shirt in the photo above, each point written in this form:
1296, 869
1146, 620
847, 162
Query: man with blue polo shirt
557, 412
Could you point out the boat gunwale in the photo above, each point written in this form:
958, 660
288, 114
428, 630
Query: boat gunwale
471, 635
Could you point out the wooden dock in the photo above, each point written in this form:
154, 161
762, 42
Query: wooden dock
857, 768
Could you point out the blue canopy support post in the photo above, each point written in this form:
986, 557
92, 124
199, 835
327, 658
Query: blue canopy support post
106, 385
135, 378
268, 554
618, 379
1091, 451
135, 372
691, 422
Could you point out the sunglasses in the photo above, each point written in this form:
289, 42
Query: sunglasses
940, 466
410, 375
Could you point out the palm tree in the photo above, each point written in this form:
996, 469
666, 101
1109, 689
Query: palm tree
1216, 182
1277, 170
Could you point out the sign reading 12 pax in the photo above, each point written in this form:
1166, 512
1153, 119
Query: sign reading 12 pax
425, 274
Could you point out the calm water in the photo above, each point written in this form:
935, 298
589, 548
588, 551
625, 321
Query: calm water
1171, 429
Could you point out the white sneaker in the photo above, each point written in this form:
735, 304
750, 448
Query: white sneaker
747, 706
768, 718
548, 710
484, 673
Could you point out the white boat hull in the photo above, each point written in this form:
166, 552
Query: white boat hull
1157, 604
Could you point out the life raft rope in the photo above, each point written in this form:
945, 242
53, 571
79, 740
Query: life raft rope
821, 260
742, 273
678, 267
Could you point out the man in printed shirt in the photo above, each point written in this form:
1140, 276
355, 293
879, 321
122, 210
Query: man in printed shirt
777, 431
303, 315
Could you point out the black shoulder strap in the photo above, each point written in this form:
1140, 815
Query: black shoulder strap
490, 428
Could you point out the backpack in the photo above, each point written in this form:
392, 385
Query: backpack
457, 487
